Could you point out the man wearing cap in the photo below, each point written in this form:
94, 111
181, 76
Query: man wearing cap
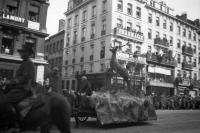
20, 85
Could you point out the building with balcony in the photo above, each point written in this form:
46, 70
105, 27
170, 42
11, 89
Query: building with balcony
53, 50
174, 33
145, 26
22, 22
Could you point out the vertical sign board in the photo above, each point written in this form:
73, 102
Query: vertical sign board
40, 74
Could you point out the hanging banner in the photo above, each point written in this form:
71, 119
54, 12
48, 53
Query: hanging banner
159, 70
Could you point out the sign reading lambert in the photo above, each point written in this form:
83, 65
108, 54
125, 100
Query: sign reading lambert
33, 25
13, 18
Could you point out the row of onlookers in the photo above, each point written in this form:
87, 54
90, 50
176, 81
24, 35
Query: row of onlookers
176, 102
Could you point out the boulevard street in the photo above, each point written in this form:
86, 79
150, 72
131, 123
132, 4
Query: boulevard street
169, 121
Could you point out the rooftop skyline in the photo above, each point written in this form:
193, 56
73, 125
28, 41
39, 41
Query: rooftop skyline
57, 9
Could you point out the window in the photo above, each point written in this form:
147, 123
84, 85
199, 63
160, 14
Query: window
119, 22
184, 32
84, 17
66, 70
69, 23
178, 30
73, 69
82, 59
190, 75
12, 7
76, 20
34, 13
179, 58
150, 18
129, 9
195, 76
104, 5
7, 45
195, 63
138, 28
92, 46
75, 37
83, 34
171, 41
82, 48
184, 43
171, 27
129, 26
178, 43
165, 36
102, 51
190, 60
103, 32
102, 67
91, 67
157, 21
91, 57
178, 73
190, 45
184, 74
68, 40
31, 42
149, 33
120, 5
194, 36
138, 12
67, 84
157, 34
73, 84
164, 24
94, 12
195, 49
93, 30
189, 35
138, 49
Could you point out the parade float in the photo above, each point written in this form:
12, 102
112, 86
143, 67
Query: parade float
120, 99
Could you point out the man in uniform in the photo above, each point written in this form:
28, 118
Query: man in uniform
21, 84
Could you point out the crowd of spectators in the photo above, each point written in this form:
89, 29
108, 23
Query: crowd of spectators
177, 102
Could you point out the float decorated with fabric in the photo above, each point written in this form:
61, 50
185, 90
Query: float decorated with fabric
121, 99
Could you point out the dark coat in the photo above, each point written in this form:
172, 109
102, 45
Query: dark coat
85, 87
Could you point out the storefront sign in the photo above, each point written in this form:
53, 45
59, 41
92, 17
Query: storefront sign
33, 25
22, 21
125, 56
159, 70
13, 18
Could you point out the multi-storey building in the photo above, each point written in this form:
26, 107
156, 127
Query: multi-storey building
54, 52
22, 22
177, 34
92, 27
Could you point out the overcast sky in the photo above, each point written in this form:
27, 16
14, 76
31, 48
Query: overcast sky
58, 7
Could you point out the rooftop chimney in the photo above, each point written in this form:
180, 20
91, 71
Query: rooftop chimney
184, 15
61, 25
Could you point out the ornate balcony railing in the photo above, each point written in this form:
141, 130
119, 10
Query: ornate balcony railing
129, 33
187, 66
161, 42
187, 50
163, 60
